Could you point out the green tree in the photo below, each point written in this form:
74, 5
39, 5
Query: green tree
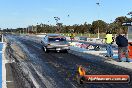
85, 28
118, 23
99, 25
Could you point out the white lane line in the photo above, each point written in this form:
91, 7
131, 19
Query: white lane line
4, 85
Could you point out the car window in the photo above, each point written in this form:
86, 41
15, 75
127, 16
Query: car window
57, 39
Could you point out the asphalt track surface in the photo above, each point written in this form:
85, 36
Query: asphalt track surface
36, 69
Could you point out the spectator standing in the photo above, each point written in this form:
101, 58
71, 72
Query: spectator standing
72, 37
122, 43
109, 41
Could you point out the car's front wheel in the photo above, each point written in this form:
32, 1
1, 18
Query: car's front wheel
45, 49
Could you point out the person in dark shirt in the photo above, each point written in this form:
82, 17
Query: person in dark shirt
122, 43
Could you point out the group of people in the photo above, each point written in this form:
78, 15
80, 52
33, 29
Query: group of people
122, 43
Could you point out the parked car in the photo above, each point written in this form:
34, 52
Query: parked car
55, 42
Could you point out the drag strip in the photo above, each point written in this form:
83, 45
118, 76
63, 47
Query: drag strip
58, 70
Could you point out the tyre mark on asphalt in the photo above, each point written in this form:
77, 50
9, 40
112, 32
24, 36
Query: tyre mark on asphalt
40, 57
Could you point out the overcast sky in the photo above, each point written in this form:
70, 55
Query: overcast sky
21, 13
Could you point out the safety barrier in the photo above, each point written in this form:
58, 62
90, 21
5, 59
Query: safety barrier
85, 46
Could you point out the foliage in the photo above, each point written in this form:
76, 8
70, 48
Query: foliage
98, 25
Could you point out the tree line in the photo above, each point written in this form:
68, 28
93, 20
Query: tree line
96, 26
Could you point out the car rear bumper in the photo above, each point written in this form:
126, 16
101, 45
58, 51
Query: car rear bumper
58, 48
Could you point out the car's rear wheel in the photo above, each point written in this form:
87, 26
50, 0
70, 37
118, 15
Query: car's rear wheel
45, 49
65, 51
